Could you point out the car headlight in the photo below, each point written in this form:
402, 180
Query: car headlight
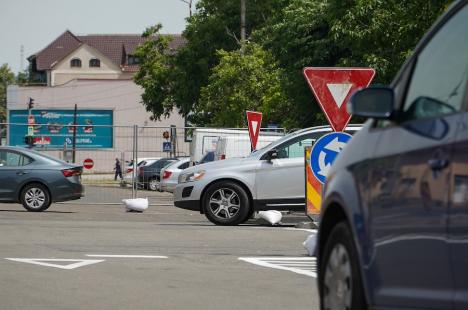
191, 176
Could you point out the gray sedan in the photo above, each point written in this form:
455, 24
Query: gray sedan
36, 180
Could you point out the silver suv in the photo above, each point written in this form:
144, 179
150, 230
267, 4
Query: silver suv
272, 178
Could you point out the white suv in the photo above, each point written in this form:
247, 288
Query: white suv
272, 178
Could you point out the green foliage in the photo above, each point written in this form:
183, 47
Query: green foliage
210, 82
381, 34
156, 72
7, 77
240, 82
215, 26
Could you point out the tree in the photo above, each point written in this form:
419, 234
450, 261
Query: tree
214, 26
240, 82
381, 34
155, 74
299, 36
7, 77
374, 33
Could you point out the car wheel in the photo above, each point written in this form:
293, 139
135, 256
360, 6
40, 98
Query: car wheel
153, 184
340, 278
226, 203
35, 197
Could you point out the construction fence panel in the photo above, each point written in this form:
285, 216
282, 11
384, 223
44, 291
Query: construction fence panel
136, 149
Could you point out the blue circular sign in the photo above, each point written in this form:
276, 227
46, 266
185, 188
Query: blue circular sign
325, 151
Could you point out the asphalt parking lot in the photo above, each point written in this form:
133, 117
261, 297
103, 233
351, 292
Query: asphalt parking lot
164, 258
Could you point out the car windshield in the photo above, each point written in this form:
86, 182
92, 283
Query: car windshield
279, 141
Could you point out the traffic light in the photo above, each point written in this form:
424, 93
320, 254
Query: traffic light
30, 103
29, 141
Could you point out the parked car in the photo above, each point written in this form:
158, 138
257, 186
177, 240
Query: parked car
36, 180
272, 178
170, 174
128, 173
149, 175
394, 221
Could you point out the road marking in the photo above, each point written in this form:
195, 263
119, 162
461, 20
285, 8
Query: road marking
302, 265
125, 256
43, 262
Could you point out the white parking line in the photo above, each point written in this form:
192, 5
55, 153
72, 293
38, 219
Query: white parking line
46, 262
302, 265
125, 256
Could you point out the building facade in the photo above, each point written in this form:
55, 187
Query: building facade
93, 73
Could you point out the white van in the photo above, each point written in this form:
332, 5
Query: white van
206, 140
239, 146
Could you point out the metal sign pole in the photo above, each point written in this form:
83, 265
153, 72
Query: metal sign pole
135, 162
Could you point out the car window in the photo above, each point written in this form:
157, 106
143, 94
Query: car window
438, 82
208, 157
295, 147
13, 159
184, 165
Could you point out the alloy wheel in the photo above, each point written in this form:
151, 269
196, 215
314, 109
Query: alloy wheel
224, 203
35, 198
338, 280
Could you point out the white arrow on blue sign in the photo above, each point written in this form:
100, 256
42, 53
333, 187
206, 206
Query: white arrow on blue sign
325, 151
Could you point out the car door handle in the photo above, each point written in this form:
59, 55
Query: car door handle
438, 163
21, 173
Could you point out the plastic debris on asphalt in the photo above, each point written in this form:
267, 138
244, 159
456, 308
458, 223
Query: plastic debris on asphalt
310, 244
273, 217
136, 205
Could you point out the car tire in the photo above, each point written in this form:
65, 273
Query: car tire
35, 197
226, 203
340, 277
153, 184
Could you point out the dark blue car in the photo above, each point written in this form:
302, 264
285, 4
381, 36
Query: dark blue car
36, 180
394, 223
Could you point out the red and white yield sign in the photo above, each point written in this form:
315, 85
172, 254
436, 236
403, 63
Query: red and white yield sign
333, 87
254, 121
88, 163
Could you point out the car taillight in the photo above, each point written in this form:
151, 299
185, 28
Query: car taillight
129, 170
167, 174
223, 156
71, 172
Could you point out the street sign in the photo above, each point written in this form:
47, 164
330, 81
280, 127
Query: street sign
332, 87
31, 119
88, 163
325, 151
167, 146
30, 130
254, 121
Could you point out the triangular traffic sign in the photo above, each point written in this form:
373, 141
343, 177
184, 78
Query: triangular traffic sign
333, 87
70, 263
254, 121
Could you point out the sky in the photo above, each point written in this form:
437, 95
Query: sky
36, 23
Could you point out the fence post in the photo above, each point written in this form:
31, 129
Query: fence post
135, 161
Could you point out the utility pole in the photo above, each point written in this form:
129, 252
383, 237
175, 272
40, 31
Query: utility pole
242, 26
189, 2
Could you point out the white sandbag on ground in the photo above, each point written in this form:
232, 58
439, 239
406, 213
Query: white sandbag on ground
137, 204
273, 217
310, 244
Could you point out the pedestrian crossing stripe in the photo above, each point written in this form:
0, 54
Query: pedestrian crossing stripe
302, 265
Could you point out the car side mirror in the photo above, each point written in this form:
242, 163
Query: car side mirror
373, 102
271, 154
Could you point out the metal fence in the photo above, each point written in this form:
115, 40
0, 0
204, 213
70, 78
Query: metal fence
131, 146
